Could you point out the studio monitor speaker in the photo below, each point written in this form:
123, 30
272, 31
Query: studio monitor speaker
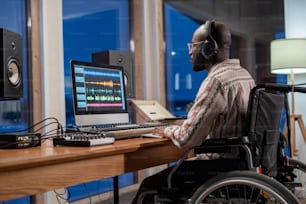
119, 58
11, 64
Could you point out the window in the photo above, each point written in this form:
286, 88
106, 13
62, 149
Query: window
181, 82
16, 114
253, 25
91, 26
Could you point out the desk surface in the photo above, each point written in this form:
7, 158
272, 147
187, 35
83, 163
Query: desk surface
41, 169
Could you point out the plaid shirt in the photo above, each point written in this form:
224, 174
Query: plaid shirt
219, 108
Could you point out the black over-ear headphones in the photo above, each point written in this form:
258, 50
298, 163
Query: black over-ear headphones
210, 46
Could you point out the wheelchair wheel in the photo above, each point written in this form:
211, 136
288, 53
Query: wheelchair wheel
297, 164
239, 187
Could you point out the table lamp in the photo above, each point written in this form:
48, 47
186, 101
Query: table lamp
288, 56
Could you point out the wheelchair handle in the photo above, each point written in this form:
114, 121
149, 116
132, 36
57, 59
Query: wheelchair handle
283, 87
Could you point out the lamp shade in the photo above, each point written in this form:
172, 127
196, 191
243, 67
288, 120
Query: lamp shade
288, 56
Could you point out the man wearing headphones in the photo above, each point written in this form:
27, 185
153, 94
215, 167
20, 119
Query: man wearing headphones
220, 106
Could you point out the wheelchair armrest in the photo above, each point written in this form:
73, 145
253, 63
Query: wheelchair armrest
220, 144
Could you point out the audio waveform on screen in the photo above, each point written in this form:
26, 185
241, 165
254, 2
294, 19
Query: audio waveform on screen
103, 98
104, 105
104, 83
99, 89
97, 73
94, 91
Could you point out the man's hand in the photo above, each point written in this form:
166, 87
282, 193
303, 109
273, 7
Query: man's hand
159, 131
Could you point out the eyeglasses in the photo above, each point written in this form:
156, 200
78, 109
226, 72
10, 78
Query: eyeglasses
190, 45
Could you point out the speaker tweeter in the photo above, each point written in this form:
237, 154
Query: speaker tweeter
11, 65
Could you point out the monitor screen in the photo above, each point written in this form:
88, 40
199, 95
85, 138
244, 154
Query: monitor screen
98, 94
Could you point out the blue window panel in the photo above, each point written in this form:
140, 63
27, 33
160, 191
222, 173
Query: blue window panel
182, 83
24, 200
78, 192
88, 27
12, 18
91, 26
89, 40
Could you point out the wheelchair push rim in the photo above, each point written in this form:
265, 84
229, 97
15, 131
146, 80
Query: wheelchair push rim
239, 187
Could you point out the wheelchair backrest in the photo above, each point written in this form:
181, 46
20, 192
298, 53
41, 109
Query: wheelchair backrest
263, 127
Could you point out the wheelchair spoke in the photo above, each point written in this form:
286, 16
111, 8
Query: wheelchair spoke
236, 194
243, 188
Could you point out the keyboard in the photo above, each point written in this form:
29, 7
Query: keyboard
125, 126
80, 139
124, 131
128, 133
132, 130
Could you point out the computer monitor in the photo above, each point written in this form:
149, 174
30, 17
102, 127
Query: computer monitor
98, 94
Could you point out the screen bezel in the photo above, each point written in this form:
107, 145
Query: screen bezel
93, 117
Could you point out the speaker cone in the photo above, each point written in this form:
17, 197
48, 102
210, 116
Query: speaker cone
14, 75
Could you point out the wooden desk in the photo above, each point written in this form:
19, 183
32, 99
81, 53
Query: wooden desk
41, 169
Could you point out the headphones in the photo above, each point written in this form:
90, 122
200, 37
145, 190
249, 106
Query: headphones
210, 46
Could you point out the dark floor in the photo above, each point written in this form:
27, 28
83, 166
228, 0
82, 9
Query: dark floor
126, 196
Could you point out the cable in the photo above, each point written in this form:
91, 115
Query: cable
46, 125
50, 136
32, 141
61, 196
59, 125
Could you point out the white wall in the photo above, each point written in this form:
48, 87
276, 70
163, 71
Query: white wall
53, 92
151, 50
52, 60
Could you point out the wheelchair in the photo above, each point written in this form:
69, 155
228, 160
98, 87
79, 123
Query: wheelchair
264, 172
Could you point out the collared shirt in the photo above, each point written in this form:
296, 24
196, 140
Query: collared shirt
220, 106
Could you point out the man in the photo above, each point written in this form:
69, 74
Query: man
220, 106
